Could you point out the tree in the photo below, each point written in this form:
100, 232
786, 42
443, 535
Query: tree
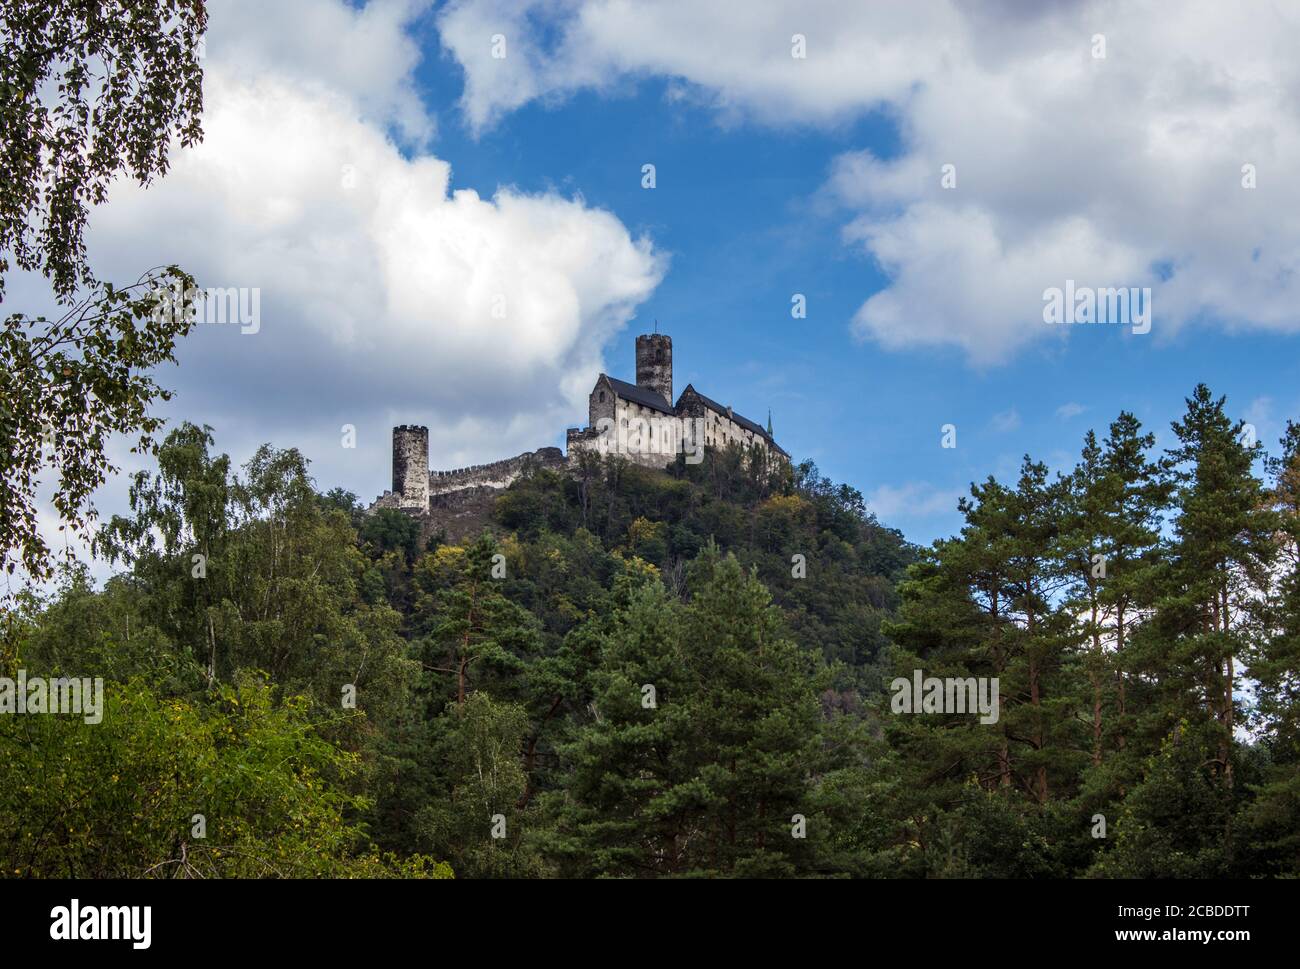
390, 530
1277, 662
66, 386
987, 604
474, 635
241, 788
476, 816
127, 81
254, 572
707, 752
1220, 557
1273, 819
1109, 550
1171, 823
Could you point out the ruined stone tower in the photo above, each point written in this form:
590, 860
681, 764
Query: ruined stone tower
654, 364
411, 466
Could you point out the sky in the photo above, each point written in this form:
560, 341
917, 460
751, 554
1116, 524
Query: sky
919, 174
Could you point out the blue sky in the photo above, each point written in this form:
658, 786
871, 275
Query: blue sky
741, 209
470, 176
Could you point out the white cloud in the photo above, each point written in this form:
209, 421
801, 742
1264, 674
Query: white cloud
368, 52
1122, 171
911, 501
1006, 421
1069, 411
1259, 410
380, 281
741, 64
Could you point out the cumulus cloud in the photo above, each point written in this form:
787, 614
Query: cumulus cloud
1069, 410
1122, 170
911, 501
367, 51
387, 295
738, 59
1006, 421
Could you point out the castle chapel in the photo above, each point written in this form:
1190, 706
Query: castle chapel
636, 421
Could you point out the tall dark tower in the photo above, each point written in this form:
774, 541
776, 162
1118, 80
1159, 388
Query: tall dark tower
411, 465
654, 364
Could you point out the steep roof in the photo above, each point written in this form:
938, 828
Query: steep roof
744, 422
649, 398
638, 395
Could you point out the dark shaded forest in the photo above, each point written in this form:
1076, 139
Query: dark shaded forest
642, 674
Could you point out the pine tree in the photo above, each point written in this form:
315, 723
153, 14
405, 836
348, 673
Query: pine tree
707, 748
1273, 820
472, 635
1219, 558
1111, 537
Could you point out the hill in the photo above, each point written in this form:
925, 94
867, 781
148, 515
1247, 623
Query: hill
616, 671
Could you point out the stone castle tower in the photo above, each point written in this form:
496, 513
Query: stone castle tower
654, 364
416, 489
411, 465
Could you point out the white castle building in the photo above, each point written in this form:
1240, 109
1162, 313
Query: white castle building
636, 421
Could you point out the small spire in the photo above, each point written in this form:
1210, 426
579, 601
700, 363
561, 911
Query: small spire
769, 422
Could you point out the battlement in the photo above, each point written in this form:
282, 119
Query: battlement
411, 465
654, 364
496, 474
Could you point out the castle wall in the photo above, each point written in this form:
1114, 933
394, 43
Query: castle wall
652, 444
601, 403
720, 429
439, 485
497, 474
389, 499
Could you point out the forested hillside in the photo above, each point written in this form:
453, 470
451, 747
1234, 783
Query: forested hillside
643, 674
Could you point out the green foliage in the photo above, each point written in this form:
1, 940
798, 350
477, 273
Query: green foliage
121, 798
389, 530
254, 572
706, 742
66, 386
1172, 823
635, 674
86, 95
478, 747
128, 81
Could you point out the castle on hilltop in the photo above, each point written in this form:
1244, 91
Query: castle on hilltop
636, 421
